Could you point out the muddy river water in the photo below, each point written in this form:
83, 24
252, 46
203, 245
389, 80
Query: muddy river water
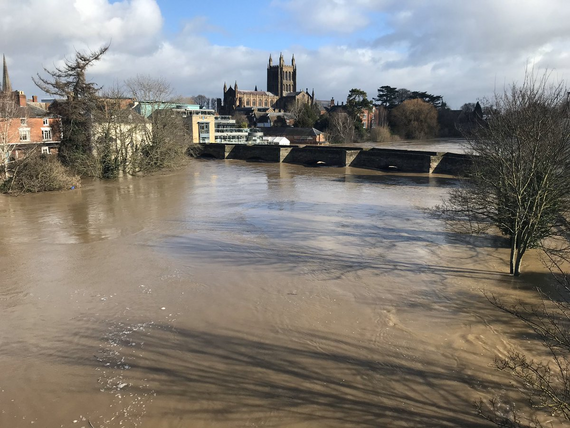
234, 294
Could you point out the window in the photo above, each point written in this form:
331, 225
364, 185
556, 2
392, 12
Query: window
24, 135
45, 150
247, 102
254, 103
23, 121
265, 103
46, 134
46, 122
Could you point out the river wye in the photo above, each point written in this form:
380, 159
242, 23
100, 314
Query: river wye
236, 294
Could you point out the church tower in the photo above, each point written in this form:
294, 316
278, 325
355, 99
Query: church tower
281, 78
6, 85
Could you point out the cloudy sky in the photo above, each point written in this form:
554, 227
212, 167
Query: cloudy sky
462, 50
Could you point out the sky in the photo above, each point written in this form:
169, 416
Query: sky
461, 50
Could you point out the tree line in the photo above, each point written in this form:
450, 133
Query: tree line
397, 113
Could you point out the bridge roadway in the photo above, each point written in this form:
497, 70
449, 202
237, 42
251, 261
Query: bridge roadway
373, 158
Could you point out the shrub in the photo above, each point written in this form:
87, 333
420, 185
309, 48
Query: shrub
39, 173
381, 134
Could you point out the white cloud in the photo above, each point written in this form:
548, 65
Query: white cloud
326, 16
461, 50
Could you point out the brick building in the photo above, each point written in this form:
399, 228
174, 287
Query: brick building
25, 124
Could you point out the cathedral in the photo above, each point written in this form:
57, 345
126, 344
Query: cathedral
281, 91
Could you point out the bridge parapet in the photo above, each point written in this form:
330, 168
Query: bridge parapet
374, 158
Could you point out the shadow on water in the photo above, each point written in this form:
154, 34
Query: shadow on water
401, 180
234, 378
329, 264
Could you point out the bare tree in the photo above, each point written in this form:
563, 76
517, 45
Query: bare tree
519, 180
202, 100
341, 128
9, 135
544, 381
118, 133
164, 136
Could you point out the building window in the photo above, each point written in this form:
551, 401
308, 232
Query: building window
254, 103
46, 134
247, 102
23, 121
45, 150
265, 103
24, 135
46, 122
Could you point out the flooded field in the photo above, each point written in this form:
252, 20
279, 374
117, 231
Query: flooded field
234, 294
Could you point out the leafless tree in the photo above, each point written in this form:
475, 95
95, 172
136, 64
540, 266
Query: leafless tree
165, 138
341, 128
9, 135
545, 379
519, 180
202, 100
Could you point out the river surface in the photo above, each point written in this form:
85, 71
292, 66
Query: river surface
234, 294
444, 145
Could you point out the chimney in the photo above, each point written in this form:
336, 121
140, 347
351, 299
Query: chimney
34, 98
21, 99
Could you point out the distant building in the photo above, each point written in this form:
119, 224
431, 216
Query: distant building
123, 128
277, 141
25, 124
281, 78
226, 131
201, 124
296, 135
281, 95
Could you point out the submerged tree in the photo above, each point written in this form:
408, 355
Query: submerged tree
164, 139
341, 128
519, 180
78, 99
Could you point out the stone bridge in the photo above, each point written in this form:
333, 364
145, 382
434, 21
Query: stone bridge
375, 158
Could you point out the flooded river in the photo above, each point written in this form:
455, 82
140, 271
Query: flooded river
234, 294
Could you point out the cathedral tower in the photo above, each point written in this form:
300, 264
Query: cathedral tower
281, 78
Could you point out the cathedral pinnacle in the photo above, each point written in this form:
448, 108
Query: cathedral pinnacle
6, 85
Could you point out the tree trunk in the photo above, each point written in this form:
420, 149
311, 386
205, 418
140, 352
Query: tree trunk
517, 251
518, 261
513, 255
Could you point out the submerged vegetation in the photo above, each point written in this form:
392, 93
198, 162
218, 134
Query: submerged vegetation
39, 173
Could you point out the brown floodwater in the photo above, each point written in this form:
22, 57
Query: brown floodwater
234, 294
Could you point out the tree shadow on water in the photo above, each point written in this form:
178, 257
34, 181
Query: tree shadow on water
308, 378
329, 264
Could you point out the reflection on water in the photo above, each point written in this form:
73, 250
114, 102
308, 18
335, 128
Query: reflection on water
240, 294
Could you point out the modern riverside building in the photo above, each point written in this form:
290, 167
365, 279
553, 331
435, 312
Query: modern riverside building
226, 131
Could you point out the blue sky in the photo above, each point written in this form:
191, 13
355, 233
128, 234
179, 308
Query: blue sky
254, 24
461, 50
